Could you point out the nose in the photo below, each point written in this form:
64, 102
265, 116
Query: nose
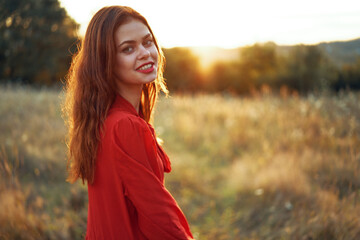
143, 52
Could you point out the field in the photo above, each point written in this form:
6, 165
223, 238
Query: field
265, 167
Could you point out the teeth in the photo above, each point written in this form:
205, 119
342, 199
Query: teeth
147, 66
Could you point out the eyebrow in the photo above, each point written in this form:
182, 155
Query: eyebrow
133, 41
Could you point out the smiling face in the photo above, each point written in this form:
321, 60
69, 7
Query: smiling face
136, 57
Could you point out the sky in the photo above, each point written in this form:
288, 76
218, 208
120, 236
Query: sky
231, 23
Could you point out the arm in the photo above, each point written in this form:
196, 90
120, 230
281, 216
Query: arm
159, 216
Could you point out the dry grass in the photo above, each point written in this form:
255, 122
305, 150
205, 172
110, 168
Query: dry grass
243, 168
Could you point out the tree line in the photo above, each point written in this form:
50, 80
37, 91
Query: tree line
38, 38
300, 68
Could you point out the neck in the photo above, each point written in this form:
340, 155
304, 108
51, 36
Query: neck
132, 95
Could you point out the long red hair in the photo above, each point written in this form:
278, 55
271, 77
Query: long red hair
91, 89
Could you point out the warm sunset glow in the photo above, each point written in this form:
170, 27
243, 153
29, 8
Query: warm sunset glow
230, 24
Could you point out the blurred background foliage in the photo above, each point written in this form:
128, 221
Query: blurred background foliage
36, 41
264, 139
299, 68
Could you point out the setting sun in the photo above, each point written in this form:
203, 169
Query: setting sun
230, 24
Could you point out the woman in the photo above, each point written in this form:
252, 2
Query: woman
112, 87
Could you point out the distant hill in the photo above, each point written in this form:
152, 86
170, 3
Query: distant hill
340, 52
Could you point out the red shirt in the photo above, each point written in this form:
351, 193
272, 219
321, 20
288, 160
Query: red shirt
128, 199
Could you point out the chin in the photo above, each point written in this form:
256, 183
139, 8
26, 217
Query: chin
149, 79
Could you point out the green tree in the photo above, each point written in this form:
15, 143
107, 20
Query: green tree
182, 70
35, 41
348, 77
225, 77
307, 68
258, 64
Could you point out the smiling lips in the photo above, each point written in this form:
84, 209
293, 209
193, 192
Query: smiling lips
146, 68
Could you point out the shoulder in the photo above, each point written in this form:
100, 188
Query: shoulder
124, 124
128, 132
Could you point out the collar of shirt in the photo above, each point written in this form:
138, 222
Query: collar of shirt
122, 104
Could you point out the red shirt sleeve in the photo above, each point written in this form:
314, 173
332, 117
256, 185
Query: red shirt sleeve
141, 170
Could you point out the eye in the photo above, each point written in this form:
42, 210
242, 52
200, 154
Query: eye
128, 49
148, 42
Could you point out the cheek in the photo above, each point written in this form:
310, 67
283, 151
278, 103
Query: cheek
154, 53
123, 62
118, 62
